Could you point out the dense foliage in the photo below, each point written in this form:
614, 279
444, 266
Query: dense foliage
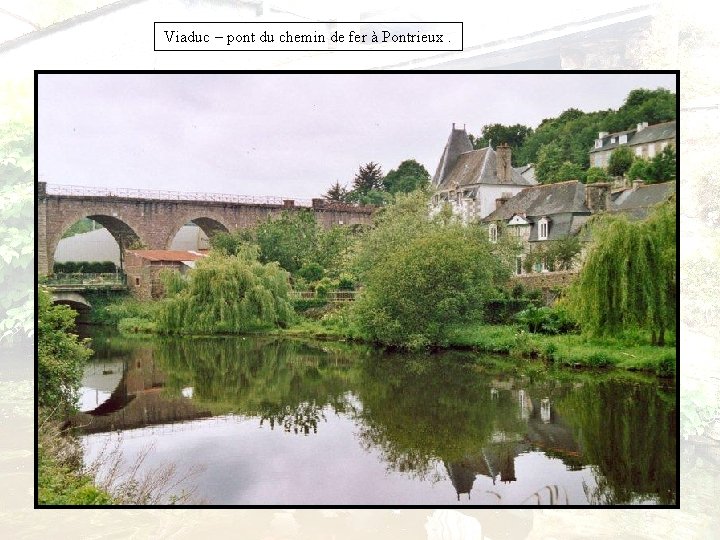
87, 267
226, 294
17, 253
569, 137
294, 240
620, 161
61, 355
421, 276
628, 278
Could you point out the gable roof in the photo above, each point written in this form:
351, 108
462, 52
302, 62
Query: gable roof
656, 132
544, 200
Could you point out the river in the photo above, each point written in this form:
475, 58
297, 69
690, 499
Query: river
275, 421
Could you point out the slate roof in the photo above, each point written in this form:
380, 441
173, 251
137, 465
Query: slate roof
458, 143
544, 200
479, 167
563, 203
657, 132
637, 203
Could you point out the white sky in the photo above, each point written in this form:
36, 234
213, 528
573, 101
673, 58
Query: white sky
280, 134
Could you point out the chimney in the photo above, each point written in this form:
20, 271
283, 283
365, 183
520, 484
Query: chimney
503, 163
597, 196
603, 134
642, 126
499, 202
637, 183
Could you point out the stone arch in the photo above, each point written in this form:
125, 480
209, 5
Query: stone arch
123, 232
208, 225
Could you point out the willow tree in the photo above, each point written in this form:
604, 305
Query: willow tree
629, 278
227, 295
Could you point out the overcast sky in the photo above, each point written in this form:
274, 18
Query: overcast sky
284, 135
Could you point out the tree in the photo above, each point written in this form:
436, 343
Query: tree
421, 275
514, 136
288, 240
639, 170
570, 171
61, 355
620, 161
434, 281
409, 176
596, 174
227, 295
369, 177
549, 161
662, 166
628, 278
337, 193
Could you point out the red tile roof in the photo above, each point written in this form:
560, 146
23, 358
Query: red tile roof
167, 255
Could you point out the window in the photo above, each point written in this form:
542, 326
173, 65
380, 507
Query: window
612, 140
623, 139
543, 229
663, 145
493, 233
518, 265
598, 143
638, 151
137, 281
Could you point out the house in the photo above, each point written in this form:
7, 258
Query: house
474, 182
558, 211
143, 268
645, 142
545, 213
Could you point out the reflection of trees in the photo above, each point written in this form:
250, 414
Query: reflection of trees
419, 411
285, 383
627, 431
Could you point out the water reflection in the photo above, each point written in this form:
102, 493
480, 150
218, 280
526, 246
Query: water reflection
434, 430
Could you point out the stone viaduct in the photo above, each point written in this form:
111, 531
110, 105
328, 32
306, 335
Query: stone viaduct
150, 219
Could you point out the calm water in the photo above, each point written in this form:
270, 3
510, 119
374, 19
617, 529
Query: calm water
285, 422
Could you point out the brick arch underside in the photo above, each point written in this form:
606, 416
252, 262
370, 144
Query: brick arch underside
208, 225
122, 232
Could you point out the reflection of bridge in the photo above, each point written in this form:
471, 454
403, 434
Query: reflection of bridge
152, 218
138, 400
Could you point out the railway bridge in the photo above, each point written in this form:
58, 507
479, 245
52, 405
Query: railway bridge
150, 219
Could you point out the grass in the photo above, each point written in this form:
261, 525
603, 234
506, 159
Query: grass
629, 352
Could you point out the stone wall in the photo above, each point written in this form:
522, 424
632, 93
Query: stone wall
547, 282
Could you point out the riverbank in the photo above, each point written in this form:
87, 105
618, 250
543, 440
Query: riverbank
61, 480
630, 352
564, 350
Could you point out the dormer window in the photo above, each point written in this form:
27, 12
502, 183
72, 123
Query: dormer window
612, 140
493, 233
598, 143
623, 139
543, 229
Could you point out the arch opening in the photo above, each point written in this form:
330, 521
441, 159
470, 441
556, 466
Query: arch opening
195, 235
94, 244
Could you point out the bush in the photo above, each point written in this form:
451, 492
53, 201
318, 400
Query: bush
504, 310
600, 360
84, 267
346, 283
666, 367
135, 325
546, 320
311, 272
61, 355
303, 304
